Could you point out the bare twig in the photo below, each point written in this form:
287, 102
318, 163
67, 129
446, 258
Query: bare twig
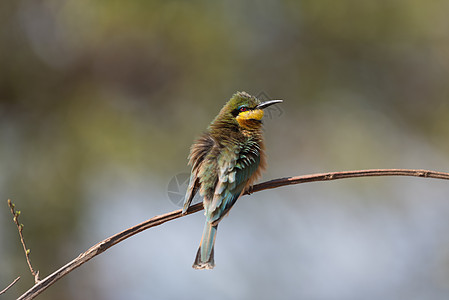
158, 220
9, 286
27, 251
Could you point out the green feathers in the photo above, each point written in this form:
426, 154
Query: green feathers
225, 161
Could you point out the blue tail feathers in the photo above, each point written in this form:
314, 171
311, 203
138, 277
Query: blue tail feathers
205, 255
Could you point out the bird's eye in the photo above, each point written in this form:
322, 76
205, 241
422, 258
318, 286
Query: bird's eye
243, 108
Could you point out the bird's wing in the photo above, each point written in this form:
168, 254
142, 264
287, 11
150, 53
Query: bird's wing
191, 190
234, 171
198, 152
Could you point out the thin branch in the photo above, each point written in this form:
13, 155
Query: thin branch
158, 220
275, 183
9, 286
27, 251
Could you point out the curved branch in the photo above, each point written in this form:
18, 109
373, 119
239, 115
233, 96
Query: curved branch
275, 183
158, 220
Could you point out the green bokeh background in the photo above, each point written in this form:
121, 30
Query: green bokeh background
100, 101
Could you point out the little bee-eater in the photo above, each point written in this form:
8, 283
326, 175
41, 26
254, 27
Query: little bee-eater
226, 160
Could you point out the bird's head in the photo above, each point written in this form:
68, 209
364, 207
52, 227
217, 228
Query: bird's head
245, 110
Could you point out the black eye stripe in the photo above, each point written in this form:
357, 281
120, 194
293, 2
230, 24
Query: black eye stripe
236, 111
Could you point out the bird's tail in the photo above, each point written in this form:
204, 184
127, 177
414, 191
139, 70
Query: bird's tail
205, 255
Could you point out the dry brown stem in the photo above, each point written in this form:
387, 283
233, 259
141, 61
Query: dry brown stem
9, 286
27, 251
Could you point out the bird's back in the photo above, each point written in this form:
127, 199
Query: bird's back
226, 168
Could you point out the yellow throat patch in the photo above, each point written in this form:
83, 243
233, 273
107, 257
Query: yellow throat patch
244, 117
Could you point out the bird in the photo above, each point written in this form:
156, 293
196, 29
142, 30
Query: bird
225, 161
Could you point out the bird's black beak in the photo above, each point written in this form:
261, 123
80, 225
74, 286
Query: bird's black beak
268, 103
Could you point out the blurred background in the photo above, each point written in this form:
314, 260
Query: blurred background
101, 100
